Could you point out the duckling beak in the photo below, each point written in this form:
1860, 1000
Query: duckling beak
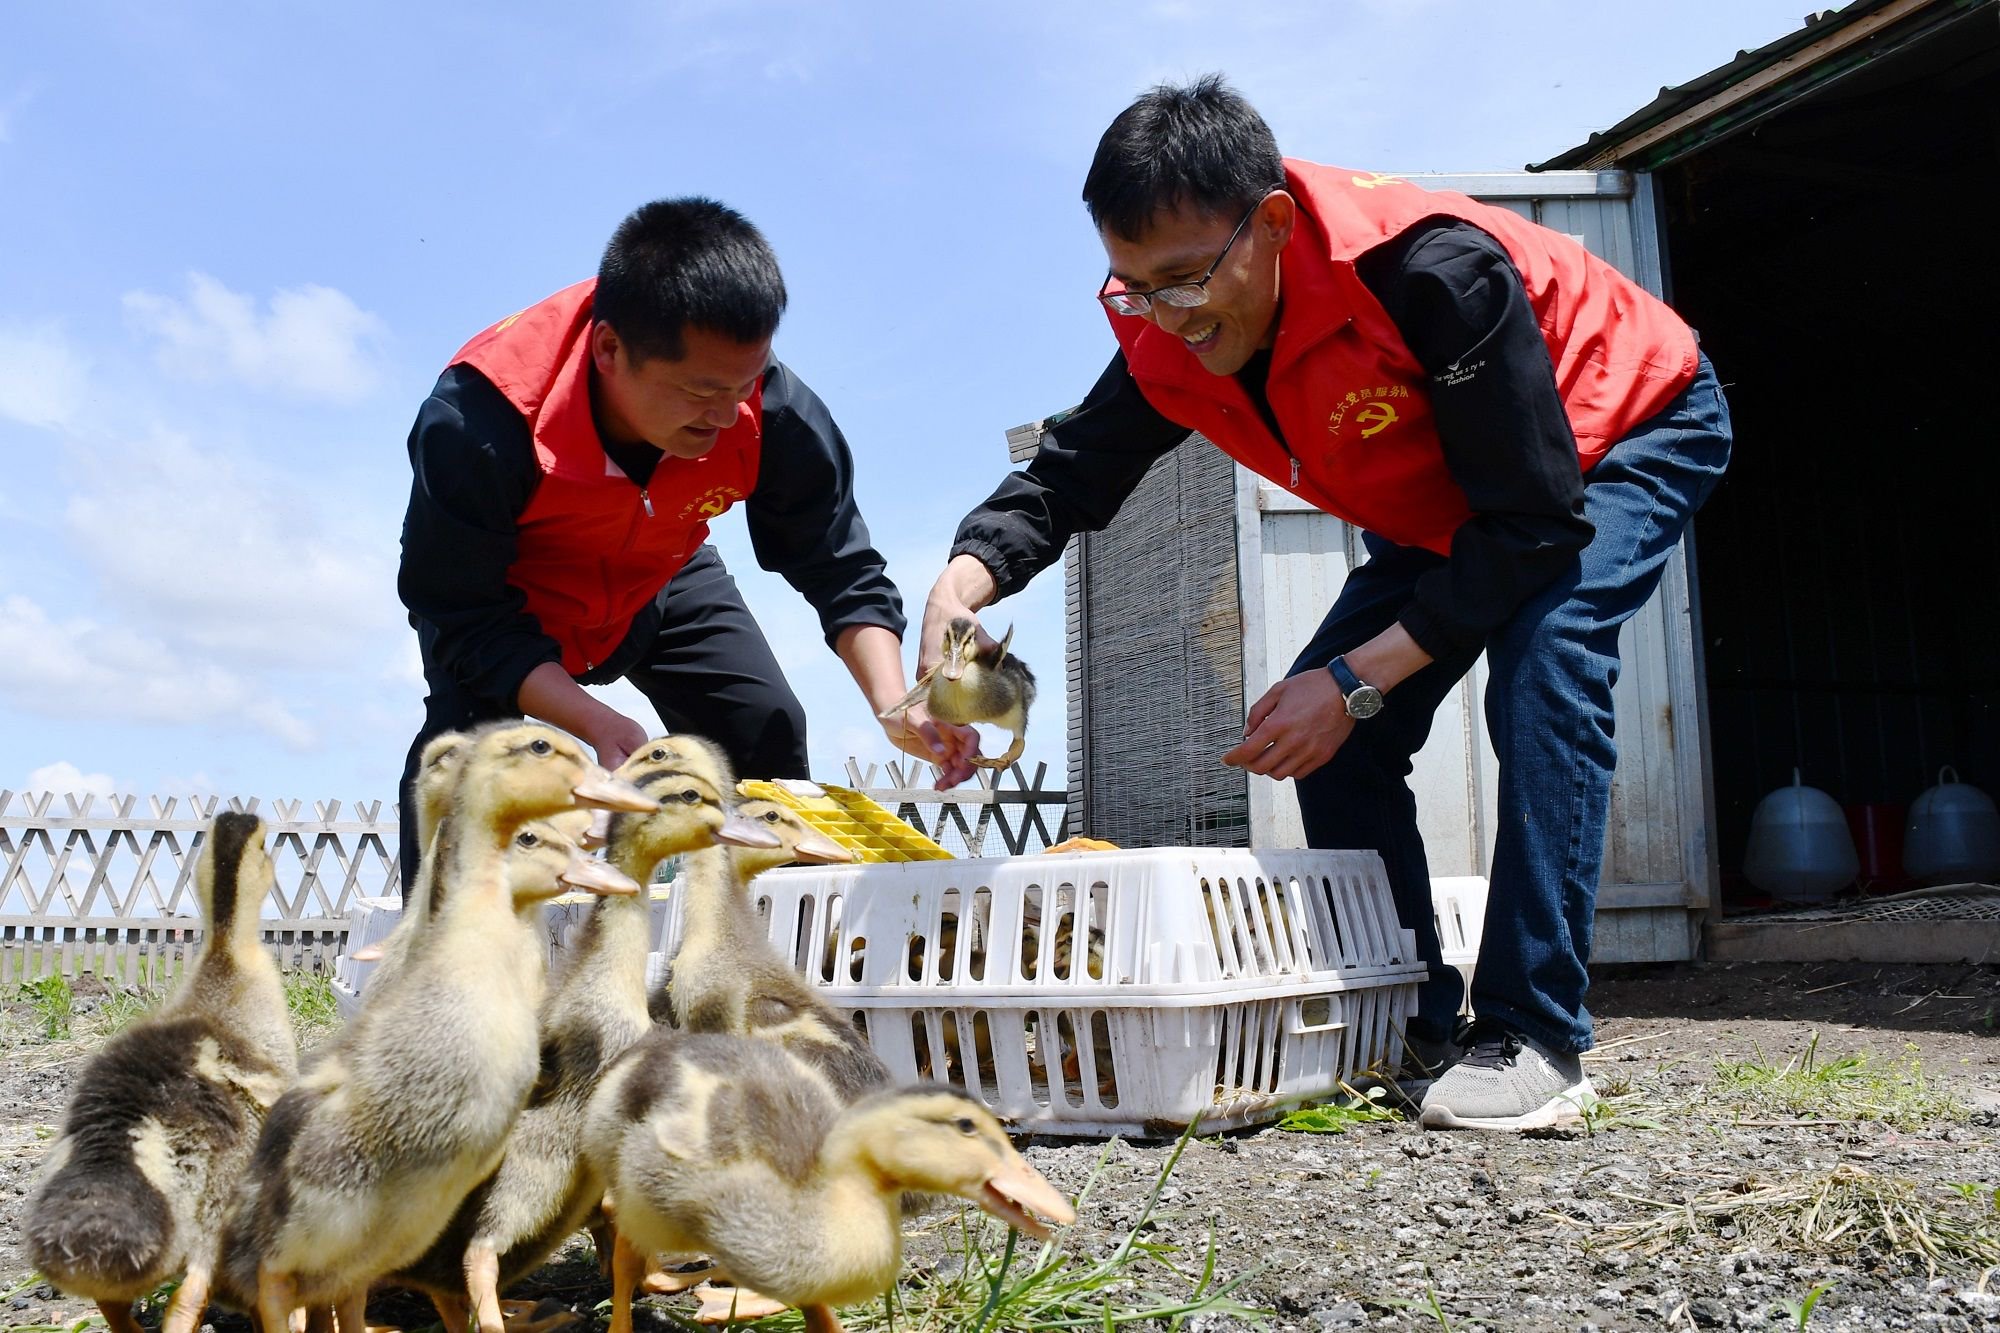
816, 850
739, 832
598, 834
600, 791
367, 953
594, 876
1015, 1188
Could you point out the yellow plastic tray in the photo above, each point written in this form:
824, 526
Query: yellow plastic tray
850, 819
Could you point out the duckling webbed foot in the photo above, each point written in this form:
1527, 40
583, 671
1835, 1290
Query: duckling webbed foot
118, 1316
1003, 760
673, 1281
726, 1305
543, 1316
190, 1299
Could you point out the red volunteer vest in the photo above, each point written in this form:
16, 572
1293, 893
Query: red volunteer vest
1352, 401
594, 548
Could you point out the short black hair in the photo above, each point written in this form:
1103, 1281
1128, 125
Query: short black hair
1199, 144
680, 262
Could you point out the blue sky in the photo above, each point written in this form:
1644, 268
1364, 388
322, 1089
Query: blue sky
239, 241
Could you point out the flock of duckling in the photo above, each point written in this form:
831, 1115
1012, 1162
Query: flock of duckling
472, 1116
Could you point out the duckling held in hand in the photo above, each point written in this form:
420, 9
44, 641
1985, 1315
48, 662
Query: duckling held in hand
163, 1119
365, 1160
715, 1144
973, 684
542, 1191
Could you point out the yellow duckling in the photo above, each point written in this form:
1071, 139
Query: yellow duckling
542, 1192
715, 1144
437, 771
365, 1160
970, 684
163, 1119
728, 977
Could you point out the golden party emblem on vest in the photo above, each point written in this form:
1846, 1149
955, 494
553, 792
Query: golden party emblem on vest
712, 503
1373, 409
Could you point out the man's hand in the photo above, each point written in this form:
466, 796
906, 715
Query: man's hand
615, 738
951, 748
1297, 726
549, 695
965, 586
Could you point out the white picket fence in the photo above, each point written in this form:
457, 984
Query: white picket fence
89, 884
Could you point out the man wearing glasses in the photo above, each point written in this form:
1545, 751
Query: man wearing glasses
1520, 432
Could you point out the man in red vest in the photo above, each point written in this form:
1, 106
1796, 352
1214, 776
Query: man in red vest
1521, 433
566, 468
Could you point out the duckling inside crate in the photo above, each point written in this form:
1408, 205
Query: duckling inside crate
163, 1119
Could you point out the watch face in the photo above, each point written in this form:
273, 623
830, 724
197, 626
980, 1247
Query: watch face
1364, 702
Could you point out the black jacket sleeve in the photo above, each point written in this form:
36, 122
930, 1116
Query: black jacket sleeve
473, 471
1090, 460
803, 521
1459, 303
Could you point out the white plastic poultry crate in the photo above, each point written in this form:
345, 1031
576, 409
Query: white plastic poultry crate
1458, 905
371, 919
1221, 983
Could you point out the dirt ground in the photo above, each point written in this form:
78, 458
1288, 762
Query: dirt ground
1386, 1226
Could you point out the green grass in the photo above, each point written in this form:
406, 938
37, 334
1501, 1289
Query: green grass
309, 997
1847, 1088
1341, 1114
54, 1004
1801, 1309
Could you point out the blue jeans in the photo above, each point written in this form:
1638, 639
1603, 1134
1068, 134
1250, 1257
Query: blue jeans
1548, 708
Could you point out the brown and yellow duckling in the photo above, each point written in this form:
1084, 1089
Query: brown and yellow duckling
365, 1160
728, 977
715, 1144
542, 1192
163, 1119
973, 684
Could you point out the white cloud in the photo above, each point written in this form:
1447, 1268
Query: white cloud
78, 668
227, 554
42, 377
63, 776
314, 342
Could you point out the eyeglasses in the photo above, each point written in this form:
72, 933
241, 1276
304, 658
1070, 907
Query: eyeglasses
1182, 295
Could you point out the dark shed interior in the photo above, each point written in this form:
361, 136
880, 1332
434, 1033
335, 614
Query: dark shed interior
1841, 260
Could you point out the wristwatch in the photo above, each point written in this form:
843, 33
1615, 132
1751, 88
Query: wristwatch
1363, 700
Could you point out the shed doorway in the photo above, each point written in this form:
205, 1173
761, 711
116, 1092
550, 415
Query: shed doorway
1842, 264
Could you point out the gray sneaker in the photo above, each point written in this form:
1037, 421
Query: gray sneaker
1507, 1081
